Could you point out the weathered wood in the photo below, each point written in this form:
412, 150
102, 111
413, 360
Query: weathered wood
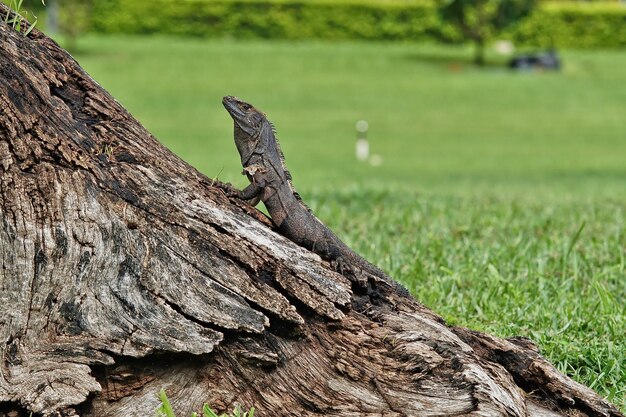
125, 271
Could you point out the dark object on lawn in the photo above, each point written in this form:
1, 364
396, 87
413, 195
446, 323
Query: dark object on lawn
544, 61
125, 270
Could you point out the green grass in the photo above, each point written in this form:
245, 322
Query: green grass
508, 266
438, 125
165, 409
501, 198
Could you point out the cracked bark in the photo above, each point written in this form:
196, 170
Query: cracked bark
124, 270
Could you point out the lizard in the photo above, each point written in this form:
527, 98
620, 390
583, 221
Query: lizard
270, 182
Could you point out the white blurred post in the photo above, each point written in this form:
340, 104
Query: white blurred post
52, 21
362, 145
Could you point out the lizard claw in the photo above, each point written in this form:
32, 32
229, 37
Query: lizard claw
229, 190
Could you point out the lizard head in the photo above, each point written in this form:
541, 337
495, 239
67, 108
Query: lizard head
251, 127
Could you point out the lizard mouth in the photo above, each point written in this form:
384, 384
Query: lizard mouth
238, 110
234, 106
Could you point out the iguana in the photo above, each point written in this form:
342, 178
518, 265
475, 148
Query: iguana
263, 164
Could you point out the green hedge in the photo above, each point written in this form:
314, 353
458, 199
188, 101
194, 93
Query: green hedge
559, 24
574, 25
306, 19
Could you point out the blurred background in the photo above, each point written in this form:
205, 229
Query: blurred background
431, 78
474, 149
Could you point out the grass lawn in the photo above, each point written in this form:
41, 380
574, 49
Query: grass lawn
501, 197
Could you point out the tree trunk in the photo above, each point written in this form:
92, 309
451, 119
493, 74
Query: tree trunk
124, 271
479, 52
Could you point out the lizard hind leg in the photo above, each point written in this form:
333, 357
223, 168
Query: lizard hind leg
340, 265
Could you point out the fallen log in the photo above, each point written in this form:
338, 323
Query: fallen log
125, 270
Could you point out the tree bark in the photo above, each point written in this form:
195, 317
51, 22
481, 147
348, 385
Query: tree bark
124, 271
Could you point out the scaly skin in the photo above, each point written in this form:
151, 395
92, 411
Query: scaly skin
270, 182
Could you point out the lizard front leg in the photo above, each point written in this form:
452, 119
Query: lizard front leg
251, 194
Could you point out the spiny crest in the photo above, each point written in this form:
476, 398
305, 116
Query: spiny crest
286, 171
302, 203
280, 151
295, 193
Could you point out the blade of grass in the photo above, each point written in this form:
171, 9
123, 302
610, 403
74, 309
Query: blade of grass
166, 407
